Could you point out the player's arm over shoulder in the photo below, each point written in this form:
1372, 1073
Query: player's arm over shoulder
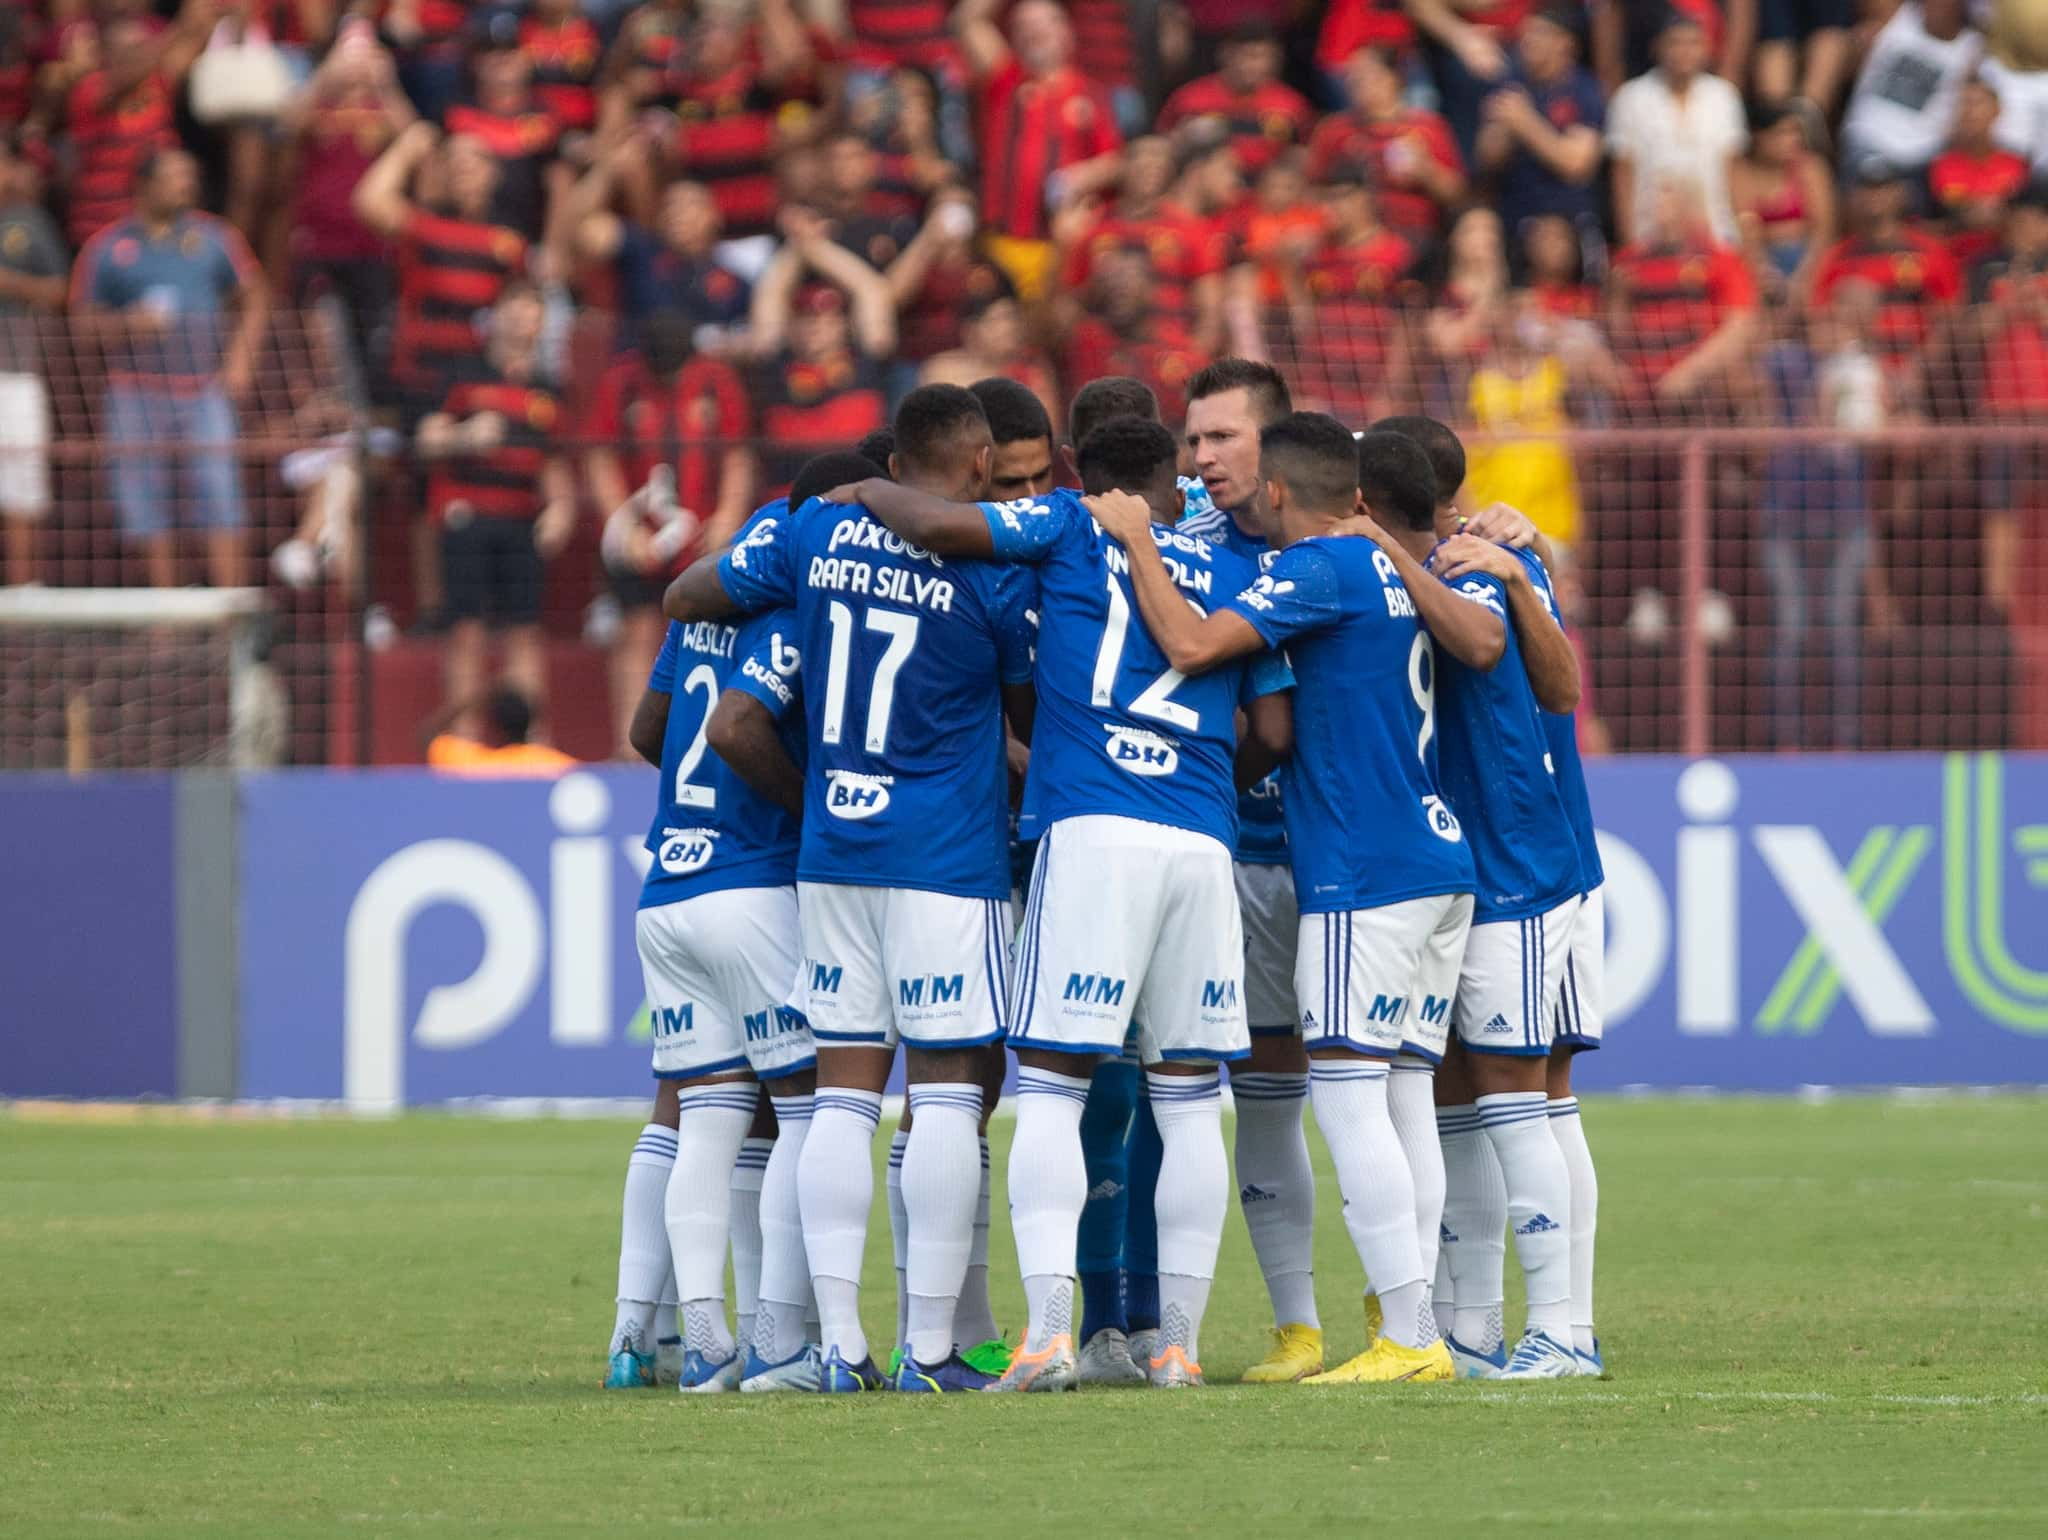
933, 523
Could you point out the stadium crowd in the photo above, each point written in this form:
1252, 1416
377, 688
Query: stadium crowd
612, 271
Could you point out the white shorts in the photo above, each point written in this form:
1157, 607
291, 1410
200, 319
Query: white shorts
1380, 981
24, 446
1265, 895
1581, 1017
889, 965
718, 969
1131, 920
1507, 990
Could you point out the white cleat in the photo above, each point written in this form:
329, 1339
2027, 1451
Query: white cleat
1106, 1360
797, 1373
668, 1360
1472, 1364
1541, 1357
1143, 1344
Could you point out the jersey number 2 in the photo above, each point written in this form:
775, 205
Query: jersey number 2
704, 678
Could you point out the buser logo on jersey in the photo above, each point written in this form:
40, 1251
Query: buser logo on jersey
1140, 752
854, 796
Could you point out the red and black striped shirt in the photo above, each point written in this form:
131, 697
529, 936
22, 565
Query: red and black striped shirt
688, 423
1261, 123
565, 56
1673, 301
1030, 128
894, 32
809, 406
1179, 248
448, 270
522, 143
111, 139
506, 482
727, 140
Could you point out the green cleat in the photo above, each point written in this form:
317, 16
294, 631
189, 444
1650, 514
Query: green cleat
991, 1357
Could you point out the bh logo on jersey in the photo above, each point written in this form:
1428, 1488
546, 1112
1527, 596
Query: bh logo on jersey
854, 796
686, 850
1140, 752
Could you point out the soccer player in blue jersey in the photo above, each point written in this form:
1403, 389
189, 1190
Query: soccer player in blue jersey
903, 875
1133, 913
1381, 869
1499, 777
1229, 402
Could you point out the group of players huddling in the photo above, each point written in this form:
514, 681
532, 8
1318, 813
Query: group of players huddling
1298, 761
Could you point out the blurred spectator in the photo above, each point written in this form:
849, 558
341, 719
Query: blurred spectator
1973, 179
1123, 333
1911, 273
1466, 42
1349, 25
849, 199
1541, 131
1625, 32
335, 128
500, 495
1804, 51
887, 35
1554, 269
676, 266
668, 435
1474, 289
499, 743
1186, 254
994, 344
157, 288
1682, 307
1283, 230
823, 381
563, 52
1108, 51
1784, 203
33, 269
1245, 101
2016, 65
1348, 337
1675, 121
426, 38
1048, 133
1905, 98
899, 119
2010, 290
1816, 534
502, 114
938, 276
1409, 152
122, 110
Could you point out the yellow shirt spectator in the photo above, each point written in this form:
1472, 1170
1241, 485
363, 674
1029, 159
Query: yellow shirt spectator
1532, 475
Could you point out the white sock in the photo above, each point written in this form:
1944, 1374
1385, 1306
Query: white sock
975, 1320
1442, 1296
1350, 1095
1411, 1089
941, 1175
1570, 1132
666, 1327
1276, 1188
835, 1184
713, 1123
1475, 1217
785, 1271
643, 1240
1539, 1203
1048, 1180
1192, 1197
899, 1230
748, 1174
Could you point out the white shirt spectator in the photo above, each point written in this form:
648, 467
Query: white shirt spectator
1905, 100
1662, 137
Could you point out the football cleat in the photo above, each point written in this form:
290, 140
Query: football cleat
1591, 1365
1172, 1369
629, 1370
797, 1372
1106, 1360
1143, 1341
1539, 1356
1375, 1322
703, 1376
1472, 1364
1052, 1367
897, 1355
1297, 1353
668, 1360
914, 1378
991, 1357
837, 1377
1387, 1363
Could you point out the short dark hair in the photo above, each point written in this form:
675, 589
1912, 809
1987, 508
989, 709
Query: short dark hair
1124, 454
876, 449
931, 421
1396, 480
1015, 414
509, 712
1446, 452
821, 473
1114, 395
1270, 397
1314, 455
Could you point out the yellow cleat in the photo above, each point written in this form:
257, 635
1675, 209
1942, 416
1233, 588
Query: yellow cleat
1373, 1319
1386, 1363
1296, 1354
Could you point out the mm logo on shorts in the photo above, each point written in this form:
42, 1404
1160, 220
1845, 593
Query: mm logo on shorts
933, 988
1219, 994
765, 1026
853, 796
1094, 989
1388, 1008
1436, 1010
1141, 753
667, 1021
824, 980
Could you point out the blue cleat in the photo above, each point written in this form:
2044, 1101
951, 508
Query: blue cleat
1539, 1356
956, 1373
1591, 1365
1472, 1364
629, 1370
797, 1372
837, 1377
703, 1376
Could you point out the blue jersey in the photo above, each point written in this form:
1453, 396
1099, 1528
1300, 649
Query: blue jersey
712, 830
1261, 823
1366, 819
1497, 776
905, 785
1195, 500
1561, 731
1118, 730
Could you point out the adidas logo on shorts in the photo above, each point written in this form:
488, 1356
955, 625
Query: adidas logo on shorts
1539, 1224
1498, 1024
1251, 1192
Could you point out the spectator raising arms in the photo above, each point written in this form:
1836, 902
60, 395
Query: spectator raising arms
121, 111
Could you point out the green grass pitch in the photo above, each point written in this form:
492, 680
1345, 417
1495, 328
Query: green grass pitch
1818, 1319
